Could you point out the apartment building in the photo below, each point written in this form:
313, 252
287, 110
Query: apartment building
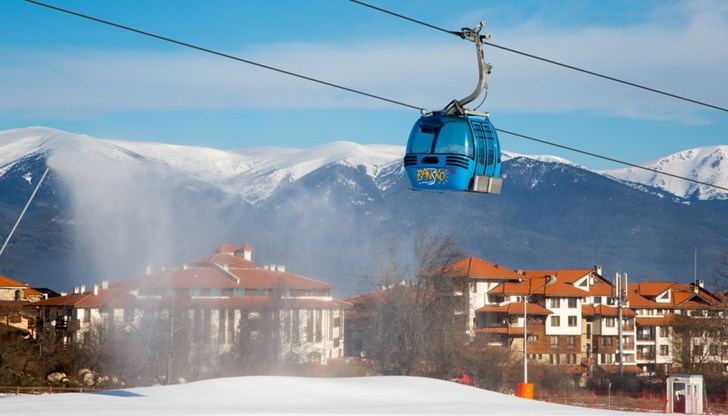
571, 318
219, 301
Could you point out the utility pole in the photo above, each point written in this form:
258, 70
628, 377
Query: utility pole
620, 295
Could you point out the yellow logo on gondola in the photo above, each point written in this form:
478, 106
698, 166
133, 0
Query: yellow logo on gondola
432, 176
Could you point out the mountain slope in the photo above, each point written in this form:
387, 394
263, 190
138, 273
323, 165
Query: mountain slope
706, 164
112, 208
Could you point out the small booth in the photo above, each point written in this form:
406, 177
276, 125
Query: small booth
524, 390
685, 394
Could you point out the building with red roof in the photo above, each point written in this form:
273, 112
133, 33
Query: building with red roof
221, 299
13, 298
574, 321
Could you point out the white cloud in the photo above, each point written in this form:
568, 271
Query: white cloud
681, 55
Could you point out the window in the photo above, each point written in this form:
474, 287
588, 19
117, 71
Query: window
128, 316
309, 326
555, 321
697, 350
221, 333
664, 350
206, 325
87, 315
296, 327
532, 338
571, 341
441, 136
584, 283
554, 341
572, 302
572, 321
319, 326
713, 349
496, 298
554, 302
610, 322
231, 326
664, 331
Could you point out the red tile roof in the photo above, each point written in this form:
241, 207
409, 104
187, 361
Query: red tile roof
236, 273
654, 321
475, 268
225, 259
653, 289
572, 275
527, 286
226, 249
216, 277
506, 330
7, 282
605, 310
516, 309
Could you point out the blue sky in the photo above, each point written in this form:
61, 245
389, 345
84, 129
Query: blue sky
64, 72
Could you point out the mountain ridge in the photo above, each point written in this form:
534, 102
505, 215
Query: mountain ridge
110, 209
270, 165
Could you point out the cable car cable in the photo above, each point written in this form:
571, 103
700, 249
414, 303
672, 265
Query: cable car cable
224, 55
610, 159
550, 61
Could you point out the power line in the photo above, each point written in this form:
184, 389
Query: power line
550, 61
224, 55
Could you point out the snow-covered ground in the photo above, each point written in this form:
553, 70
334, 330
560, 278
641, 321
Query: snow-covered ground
291, 396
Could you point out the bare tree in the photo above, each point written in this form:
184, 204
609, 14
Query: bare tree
414, 326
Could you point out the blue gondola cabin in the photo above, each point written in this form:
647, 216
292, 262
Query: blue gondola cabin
454, 153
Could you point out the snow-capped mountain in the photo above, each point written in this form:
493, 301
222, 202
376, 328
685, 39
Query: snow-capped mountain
110, 208
705, 164
252, 173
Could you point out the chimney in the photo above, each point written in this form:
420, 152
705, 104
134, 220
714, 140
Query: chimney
701, 284
96, 290
184, 266
246, 251
598, 269
76, 290
105, 284
149, 270
281, 268
82, 289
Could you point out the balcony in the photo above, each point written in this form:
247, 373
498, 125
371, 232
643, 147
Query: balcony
646, 356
